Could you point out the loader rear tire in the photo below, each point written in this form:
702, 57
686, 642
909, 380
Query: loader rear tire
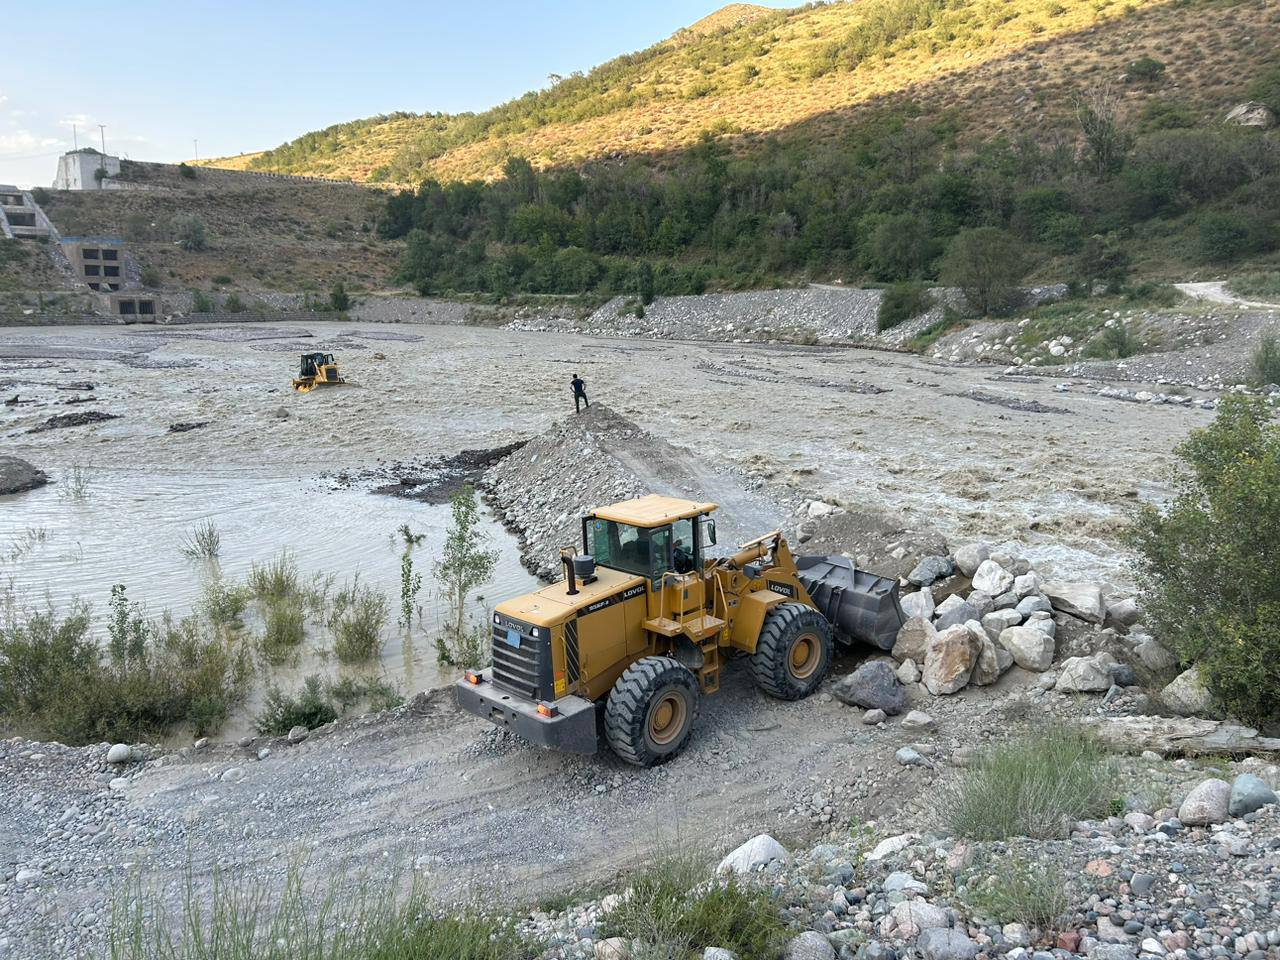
793, 652
651, 710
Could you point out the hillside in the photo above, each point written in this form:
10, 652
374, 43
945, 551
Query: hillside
261, 233
997, 66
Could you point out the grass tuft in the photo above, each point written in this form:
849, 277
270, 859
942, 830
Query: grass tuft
204, 542
675, 908
1266, 360
284, 631
275, 580
1016, 890
1037, 787
242, 919
359, 613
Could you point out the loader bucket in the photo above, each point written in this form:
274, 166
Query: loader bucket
858, 604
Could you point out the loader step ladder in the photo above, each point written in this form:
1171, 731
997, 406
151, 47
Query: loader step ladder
700, 627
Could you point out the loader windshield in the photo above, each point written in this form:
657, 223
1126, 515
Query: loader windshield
620, 546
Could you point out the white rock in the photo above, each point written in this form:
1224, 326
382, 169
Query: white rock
232, 775
891, 845
1026, 585
1083, 600
917, 721
120, 753
1187, 696
1086, 674
913, 916
949, 661
908, 672
718, 953
918, 604
913, 640
992, 579
970, 557
997, 621
756, 852
119, 783
615, 948
1032, 649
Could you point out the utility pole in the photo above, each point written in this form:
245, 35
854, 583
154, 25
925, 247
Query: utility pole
102, 159
195, 146
75, 140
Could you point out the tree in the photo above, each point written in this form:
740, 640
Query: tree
188, 231
338, 298
1108, 141
644, 282
987, 264
464, 566
1208, 563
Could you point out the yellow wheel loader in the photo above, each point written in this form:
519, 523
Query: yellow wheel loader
318, 370
621, 649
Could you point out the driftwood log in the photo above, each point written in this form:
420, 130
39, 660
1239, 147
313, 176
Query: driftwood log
1188, 737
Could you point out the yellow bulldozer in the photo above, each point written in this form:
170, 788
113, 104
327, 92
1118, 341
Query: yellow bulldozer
621, 649
318, 370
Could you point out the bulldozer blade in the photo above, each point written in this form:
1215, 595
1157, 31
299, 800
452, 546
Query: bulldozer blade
860, 605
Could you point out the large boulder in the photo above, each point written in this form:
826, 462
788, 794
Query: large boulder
875, 686
1086, 674
1208, 802
987, 668
970, 557
17, 476
1187, 696
757, 852
1026, 585
1032, 649
1122, 614
930, 569
993, 579
913, 640
953, 611
1083, 600
1252, 114
1153, 655
916, 916
918, 604
1249, 793
997, 621
949, 661
1035, 603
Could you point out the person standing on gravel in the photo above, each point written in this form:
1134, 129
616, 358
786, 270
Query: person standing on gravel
579, 394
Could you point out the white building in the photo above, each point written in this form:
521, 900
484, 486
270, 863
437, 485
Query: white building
87, 169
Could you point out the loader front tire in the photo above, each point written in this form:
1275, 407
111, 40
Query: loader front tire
793, 652
651, 710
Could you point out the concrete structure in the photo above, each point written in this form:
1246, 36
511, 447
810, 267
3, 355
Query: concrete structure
142, 306
20, 217
79, 170
97, 261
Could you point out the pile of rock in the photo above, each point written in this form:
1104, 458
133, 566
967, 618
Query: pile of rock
975, 614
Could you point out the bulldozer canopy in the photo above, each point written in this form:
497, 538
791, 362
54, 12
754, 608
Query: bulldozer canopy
311, 362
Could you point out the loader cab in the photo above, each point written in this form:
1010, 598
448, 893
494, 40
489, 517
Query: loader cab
653, 537
313, 364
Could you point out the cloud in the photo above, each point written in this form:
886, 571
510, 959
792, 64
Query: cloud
24, 141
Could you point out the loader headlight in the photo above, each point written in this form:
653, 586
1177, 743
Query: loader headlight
472, 677
547, 710
495, 619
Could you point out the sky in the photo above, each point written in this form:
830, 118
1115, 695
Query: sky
221, 77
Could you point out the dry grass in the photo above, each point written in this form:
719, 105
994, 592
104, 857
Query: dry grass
1003, 67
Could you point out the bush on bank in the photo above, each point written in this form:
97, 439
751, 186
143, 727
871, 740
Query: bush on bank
1209, 561
58, 683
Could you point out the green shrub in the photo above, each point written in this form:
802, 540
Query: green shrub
186, 172
1167, 115
57, 683
200, 302
1266, 360
674, 910
40, 195
1154, 294
1016, 890
150, 278
310, 708
1266, 88
901, 302
1225, 236
1037, 787
339, 299
359, 614
377, 694
1145, 70
284, 631
189, 233
338, 918
233, 304
223, 603
986, 264
1114, 343
1208, 587
275, 580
